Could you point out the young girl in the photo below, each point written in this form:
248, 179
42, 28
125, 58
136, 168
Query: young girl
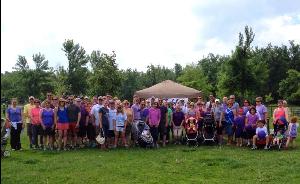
292, 131
36, 125
47, 121
229, 117
120, 123
62, 123
239, 123
250, 123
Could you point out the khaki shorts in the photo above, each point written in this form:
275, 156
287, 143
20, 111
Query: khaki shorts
177, 131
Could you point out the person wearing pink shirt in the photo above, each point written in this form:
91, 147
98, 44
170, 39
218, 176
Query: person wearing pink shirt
154, 119
36, 125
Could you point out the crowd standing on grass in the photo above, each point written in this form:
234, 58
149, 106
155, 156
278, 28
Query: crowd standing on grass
70, 122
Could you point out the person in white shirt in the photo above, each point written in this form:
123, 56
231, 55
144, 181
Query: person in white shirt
261, 133
95, 114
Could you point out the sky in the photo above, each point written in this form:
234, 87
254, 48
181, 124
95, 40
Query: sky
142, 32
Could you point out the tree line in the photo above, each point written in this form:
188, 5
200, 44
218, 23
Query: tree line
272, 72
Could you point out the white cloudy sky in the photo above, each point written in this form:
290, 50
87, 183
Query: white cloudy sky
141, 32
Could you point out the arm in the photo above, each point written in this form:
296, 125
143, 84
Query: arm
166, 119
55, 116
246, 121
78, 119
274, 114
100, 119
41, 119
87, 120
114, 123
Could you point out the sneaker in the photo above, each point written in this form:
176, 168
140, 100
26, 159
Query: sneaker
13, 149
157, 146
266, 147
30, 146
254, 147
114, 146
248, 144
65, 149
58, 149
45, 149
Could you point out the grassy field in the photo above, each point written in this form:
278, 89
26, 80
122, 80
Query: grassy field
174, 164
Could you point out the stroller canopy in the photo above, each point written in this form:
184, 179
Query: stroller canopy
168, 89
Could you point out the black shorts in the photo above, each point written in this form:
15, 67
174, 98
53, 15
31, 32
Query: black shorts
110, 134
91, 132
220, 129
29, 129
48, 131
82, 131
162, 129
128, 129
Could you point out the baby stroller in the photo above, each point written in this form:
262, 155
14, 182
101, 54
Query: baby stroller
209, 128
142, 135
280, 138
191, 129
4, 138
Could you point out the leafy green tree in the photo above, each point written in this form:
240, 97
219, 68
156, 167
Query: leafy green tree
130, 83
238, 78
211, 65
193, 76
178, 70
289, 88
77, 71
105, 76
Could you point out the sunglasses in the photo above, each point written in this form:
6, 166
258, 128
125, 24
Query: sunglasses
246, 102
258, 101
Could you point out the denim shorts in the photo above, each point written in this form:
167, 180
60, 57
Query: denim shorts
228, 130
120, 129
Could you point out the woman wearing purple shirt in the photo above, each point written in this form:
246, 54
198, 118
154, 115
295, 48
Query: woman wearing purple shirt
261, 109
154, 119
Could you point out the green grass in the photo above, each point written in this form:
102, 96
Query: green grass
174, 164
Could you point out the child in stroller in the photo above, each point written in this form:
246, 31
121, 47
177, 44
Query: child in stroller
142, 135
191, 129
280, 127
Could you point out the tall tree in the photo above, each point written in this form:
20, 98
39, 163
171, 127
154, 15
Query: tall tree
77, 69
105, 76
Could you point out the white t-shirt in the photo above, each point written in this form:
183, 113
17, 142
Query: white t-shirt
111, 116
120, 119
258, 129
95, 112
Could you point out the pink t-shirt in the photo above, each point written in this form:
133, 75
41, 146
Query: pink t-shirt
35, 116
154, 116
279, 112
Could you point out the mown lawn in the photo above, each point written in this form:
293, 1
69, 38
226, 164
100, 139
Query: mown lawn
174, 164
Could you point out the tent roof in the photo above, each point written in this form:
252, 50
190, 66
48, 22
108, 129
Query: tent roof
168, 89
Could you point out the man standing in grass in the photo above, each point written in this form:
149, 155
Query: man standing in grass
26, 114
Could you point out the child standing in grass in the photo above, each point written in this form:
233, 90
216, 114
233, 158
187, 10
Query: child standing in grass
292, 131
239, 123
120, 123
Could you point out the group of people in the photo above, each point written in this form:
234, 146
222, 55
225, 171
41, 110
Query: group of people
69, 122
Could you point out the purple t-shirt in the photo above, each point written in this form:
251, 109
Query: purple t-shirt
252, 118
154, 116
239, 122
84, 114
178, 117
261, 109
136, 111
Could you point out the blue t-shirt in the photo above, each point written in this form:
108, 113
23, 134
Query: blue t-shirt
229, 116
62, 115
14, 115
120, 119
48, 117
144, 114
